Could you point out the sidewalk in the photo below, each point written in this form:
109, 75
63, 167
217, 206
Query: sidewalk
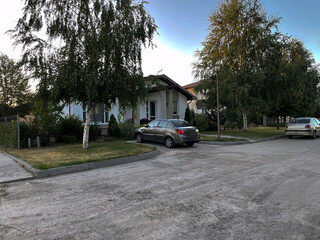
11, 170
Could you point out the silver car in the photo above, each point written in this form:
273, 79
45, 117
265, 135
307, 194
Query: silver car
306, 126
168, 131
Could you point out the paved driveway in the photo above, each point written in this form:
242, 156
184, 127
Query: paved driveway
268, 190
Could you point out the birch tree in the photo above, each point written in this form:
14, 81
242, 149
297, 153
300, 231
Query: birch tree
239, 35
86, 51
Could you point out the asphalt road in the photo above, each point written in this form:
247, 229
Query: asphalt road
268, 190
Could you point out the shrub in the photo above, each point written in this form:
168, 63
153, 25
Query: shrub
212, 126
127, 130
94, 132
69, 139
201, 122
8, 134
192, 115
113, 127
187, 115
69, 126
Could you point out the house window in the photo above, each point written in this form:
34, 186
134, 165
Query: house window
152, 110
100, 114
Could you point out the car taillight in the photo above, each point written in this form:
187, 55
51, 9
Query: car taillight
307, 126
179, 131
286, 126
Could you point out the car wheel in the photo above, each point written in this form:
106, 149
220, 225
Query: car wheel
169, 142
190, 144
289, 136
314, 135
139, 138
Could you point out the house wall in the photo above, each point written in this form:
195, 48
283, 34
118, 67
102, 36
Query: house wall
161, 107
182, 105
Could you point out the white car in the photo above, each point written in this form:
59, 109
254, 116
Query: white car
305, 126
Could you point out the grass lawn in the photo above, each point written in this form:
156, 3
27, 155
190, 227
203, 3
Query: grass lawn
257, 132
215, 139
72, 154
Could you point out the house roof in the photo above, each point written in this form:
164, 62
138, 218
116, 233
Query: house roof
172, 84
191, 85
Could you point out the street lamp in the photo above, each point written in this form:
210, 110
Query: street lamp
217, 68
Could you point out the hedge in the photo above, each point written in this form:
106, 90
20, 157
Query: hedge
8, 134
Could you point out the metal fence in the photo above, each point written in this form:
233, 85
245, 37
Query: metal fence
9, 118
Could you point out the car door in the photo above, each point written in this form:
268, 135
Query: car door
164, 126
317, 126
150, 130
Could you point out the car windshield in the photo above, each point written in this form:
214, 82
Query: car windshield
181, 123
301, 120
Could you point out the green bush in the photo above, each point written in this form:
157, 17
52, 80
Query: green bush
8, 135
192, 115
113, 127
127, 130
201, 122
25, 133
212, 126
69, 126
69, 139
187, 115
94, 132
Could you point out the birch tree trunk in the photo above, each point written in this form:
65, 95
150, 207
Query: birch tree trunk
85, 143
245, 122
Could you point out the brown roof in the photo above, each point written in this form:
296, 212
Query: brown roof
191, 85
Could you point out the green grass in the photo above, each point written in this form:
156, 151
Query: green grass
215, 139
258, 132
72, 154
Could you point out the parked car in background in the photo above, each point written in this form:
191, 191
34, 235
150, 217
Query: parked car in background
168, 131
305, 126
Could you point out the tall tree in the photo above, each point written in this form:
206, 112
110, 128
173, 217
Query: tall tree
15, 91
91, 52
239, 35
294, 82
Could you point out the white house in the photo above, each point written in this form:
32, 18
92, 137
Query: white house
166, 99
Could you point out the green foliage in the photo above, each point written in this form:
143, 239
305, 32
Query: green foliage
240, 36
127, 130
187, 115
212, 126
98, 58
113, 127
8, 135
15, 95
46, 117
69, 126
94, 132
69, 139
201, 122
192, 115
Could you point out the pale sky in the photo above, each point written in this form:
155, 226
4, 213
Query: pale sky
183, 26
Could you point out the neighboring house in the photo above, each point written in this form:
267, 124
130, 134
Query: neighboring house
166, 99
196, 104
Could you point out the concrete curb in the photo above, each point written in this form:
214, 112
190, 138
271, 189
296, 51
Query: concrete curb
82, 167
243, 142
223, 143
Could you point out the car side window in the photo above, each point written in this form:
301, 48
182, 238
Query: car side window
164, 124
153, 124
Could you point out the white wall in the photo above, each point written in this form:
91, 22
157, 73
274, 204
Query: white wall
182, 105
